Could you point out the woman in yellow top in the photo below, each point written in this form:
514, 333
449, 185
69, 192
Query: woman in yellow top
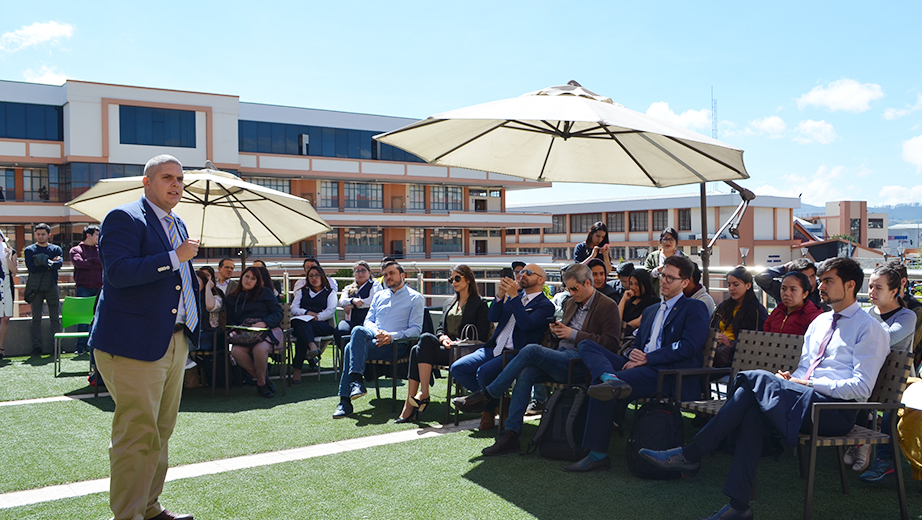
741, 311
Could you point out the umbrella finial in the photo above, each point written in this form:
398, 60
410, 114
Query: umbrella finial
210, 165
574, 83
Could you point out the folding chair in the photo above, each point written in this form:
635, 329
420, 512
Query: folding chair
74, 311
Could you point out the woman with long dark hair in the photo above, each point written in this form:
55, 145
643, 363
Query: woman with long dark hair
741, 311
251, 304
795, 312
595, 246
637, 297
212, 308
466, 307
317, 300
668, 246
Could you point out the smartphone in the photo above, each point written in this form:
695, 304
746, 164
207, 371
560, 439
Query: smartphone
551, 320
507, 273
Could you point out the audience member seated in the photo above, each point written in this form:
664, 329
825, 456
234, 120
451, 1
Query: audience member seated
884, 289
355, 300
795, 313
696, 291
839, 366
317, 300
668, 246
251, 304
308, 262
671, 335
770, 280
600, 279
275, 285
465, 308
638, 297
741, 311
395, 313
225, 280
911, 303
587, 316
212, 303
621, 284
595, 246
521, 319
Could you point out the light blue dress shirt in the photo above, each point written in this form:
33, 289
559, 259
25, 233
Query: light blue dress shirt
854, 356
174, 258
399, 313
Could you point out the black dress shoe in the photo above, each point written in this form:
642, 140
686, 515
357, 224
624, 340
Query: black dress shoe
271, 385
588, 464
264, 391
671, 460
357, 390
508, 443
471, 403
343, 409
728, 513
166, 515
409, 418
609, 390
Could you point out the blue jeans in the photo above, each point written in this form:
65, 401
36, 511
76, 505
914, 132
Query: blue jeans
477, 370
84, 292
532, 363
361, 347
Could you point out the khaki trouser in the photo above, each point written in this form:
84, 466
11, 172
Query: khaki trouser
146, 395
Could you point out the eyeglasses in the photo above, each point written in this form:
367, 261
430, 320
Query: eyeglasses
667, 239
455, 278
357, 271
669, 279
313, 275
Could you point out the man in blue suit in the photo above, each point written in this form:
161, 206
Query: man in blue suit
671, 335
522, 319
146, 318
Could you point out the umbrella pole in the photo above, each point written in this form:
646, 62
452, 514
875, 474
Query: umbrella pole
705, 252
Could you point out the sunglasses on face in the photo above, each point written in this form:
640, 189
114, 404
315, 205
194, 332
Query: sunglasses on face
528, 272
573, 289
455, 278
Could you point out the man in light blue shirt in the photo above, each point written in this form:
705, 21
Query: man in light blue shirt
395, 314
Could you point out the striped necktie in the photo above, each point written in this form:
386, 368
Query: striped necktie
188, 295
823, 344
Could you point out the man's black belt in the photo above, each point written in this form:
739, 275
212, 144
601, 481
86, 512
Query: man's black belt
178, 327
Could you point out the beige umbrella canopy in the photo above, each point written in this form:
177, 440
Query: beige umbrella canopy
219, 209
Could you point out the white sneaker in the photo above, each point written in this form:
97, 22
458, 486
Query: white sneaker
862, 458
189, 363
849, 458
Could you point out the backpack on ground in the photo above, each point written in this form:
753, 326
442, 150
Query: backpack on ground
658, 427
560, 433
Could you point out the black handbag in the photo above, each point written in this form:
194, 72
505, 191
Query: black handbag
247, 338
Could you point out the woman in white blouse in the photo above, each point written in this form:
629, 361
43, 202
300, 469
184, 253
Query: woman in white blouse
312, 312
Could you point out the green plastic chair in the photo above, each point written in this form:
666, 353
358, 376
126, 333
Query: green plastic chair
74, 311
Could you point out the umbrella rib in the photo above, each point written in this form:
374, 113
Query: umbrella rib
709, 156
472, 139
634, 159
672, 156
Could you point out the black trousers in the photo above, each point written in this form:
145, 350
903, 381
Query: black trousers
429, 350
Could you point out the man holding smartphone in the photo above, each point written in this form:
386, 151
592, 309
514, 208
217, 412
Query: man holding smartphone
522, 319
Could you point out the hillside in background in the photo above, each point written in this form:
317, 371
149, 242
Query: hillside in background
900, 213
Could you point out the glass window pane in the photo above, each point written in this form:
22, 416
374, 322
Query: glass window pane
278, 138
35, 122
264, 138
247, 137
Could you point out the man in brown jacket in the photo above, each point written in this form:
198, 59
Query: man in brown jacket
587, 314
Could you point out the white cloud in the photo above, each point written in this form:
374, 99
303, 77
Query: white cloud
891, 195
34, 35
843, 94
894, 113
691, 119
47, 75
810, 131
772, 125
826, 184
912, 152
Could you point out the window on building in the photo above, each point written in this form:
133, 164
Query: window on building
416, 241
31, 121
510, 231
530, 231
329, 243
558, 253
637, 253
685, 220
638, 220
529, 251
10, 231
156, 126
617, 253
7, 185
364, 195
496, 194
875, 223
283, 185
447, 198
558, 224
615, 222
478, 192
364, 240
284, 138
329, 194
447, 240
583, 223
35, 184
270, 251
416, 197
660, 219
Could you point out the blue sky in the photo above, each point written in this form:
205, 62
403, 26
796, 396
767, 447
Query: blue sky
824, 97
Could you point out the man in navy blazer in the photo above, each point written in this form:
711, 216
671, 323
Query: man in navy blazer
530, 310
148, 313
671, 335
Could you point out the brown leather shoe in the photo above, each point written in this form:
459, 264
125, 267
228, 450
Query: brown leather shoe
166, 515
508, 443
487, 420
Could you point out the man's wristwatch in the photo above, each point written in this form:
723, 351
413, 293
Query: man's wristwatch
810, 383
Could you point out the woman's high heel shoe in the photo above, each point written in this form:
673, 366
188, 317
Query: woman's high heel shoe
409, 418
419, 404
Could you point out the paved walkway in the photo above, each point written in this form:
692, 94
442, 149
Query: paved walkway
88, 487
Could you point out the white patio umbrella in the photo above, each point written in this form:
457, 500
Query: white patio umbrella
570, 134
218, 208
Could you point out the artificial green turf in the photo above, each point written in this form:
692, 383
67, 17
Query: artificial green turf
443, 477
